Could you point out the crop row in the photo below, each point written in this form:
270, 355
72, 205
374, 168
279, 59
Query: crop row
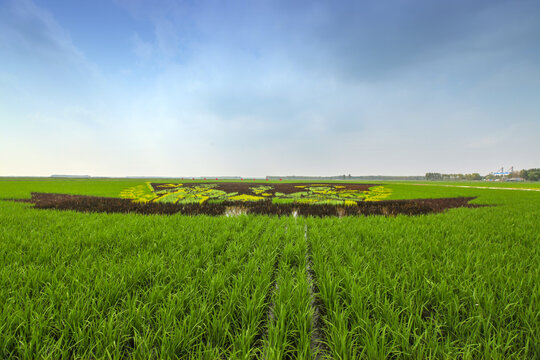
234, 289
424, 289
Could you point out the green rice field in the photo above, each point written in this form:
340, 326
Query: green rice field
462, 284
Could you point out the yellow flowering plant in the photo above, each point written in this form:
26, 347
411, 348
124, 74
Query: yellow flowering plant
200, 193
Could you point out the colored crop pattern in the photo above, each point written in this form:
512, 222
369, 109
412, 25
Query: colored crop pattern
178, 193
115, 205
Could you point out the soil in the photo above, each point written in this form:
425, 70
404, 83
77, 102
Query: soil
116, 205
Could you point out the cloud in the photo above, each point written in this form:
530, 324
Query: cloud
368, 41
45, 72
31, 31
143, 49
306, 73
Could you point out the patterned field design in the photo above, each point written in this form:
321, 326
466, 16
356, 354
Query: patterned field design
84, 203
284, 193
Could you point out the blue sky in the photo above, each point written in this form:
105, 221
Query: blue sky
254, 88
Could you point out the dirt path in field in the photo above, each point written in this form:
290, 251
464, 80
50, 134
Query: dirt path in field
318, 346
270, 301
479, 187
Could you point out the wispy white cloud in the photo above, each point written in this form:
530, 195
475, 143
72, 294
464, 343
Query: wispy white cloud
31, 31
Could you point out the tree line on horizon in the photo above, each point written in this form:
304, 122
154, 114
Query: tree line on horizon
527, 175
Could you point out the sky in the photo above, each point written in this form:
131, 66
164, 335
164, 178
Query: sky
255, 88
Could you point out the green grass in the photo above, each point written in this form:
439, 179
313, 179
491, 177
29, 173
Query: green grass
432, 286
461, 284
289, 330
497, 184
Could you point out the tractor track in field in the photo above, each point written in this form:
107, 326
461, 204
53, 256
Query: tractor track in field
317, 342
263, 335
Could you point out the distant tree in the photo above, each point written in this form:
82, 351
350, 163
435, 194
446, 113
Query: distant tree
433, 176
533, 175
439, 176
530, 174
473, 176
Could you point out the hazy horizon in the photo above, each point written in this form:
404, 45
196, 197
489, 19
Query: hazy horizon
122, 88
